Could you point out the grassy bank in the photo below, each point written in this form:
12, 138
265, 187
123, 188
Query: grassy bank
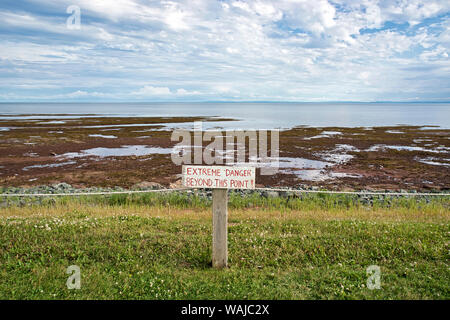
236, 200
158, 247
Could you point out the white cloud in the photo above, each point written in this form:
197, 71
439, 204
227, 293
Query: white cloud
163, 92
184, 92
262, 49
152, 91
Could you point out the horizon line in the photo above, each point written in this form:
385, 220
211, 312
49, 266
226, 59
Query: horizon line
232, 101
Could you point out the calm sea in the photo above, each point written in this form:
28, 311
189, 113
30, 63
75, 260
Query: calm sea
258, 115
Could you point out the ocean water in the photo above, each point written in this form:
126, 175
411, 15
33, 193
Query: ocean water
254, 115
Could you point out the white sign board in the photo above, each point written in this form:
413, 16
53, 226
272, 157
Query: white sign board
223, 177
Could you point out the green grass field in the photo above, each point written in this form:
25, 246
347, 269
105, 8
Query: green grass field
159, 247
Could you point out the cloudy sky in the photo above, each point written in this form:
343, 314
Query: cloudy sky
195, 50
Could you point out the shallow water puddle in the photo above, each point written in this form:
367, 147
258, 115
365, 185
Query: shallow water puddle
50, 165
429, 128
313, 170
379, 147
434, 161
112, 129
336, 158
52, 122
421, 140
346, 147
286, 162
320, 175
339, 154
112, 126
324, 134
124, 151
102, 136
306, 169
394, 131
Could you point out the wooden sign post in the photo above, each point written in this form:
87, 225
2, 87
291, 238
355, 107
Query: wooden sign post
220, 228
220, 179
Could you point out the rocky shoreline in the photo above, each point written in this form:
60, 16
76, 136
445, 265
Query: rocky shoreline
60, 188
65, 188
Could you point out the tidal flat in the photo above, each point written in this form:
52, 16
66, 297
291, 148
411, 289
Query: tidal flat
107, 151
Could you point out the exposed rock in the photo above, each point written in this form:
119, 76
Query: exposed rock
176, 184
62, 186
271, 194
363, 198
147, 185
